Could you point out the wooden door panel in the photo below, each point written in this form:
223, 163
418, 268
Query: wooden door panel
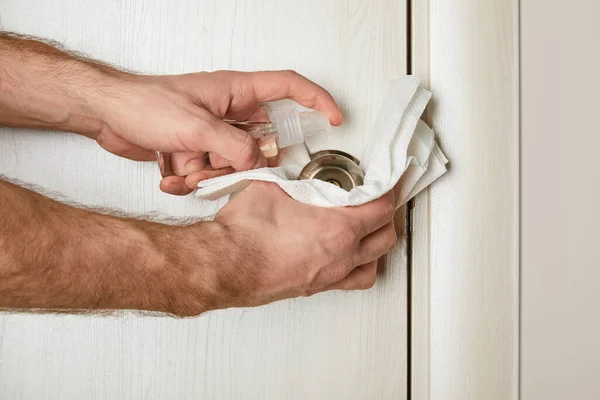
331, 346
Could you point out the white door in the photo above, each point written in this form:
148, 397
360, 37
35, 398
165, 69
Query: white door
331, 346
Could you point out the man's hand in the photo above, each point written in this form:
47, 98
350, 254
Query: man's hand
132, 115
273, 247
263, 246
301, 249
183, 114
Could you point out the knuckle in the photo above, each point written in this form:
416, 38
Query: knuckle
310, 292
262, 186
308, 287
248, 152
369, 276
339, 272
220, 74
351, 228
369, 281
388, 210
266, 193
340, 234
185, 79
392, 239
362, 230
346, 237
307, 278
318, 278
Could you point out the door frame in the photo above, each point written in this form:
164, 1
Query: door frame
464, 245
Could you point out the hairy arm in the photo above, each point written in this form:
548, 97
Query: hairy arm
262, 246
55, 256
45, 87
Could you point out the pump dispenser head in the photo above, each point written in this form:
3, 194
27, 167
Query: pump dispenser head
294, 127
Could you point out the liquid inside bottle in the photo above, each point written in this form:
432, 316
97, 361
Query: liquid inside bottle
260, 126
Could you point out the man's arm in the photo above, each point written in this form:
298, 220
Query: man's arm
56, 256
262, 246
44, 87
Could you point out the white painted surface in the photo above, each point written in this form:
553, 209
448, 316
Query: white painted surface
560, 320
465, 270
420, 230
332, 346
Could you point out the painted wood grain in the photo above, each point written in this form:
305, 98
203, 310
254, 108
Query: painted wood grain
465, 270
332, 346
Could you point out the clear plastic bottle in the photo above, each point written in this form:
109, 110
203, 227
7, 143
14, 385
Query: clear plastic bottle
275, 125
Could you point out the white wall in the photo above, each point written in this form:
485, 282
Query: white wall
560, 356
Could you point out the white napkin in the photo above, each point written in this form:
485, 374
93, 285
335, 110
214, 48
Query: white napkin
402, 155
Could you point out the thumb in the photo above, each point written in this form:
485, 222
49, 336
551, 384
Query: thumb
234, 145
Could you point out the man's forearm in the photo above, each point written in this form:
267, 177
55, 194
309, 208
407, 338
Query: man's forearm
60, 257
44, 87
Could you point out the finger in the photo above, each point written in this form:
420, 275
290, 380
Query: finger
254, 114
273, 161
268, 146
277, 85
123, 148
175, 185
237, 147
361, 278
141, 154
376, 244
191, 181
371, 216
185, 163
216, 161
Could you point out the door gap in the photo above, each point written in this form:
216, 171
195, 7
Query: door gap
409, 223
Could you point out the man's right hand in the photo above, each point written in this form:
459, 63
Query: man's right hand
270, 247
134, 115
183, 114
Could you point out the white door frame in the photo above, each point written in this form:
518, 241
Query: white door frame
465, 228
